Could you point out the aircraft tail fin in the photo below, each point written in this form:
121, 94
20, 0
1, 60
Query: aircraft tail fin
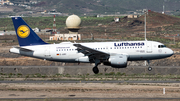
26, 36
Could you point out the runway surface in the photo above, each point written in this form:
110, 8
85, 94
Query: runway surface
76, 81
93, 99
71, 90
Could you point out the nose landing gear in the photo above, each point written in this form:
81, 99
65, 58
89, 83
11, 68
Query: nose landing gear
149, 67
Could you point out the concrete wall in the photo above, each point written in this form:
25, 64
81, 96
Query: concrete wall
75, 70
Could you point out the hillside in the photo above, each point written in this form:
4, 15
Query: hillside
109, 6
159, 27
101, 6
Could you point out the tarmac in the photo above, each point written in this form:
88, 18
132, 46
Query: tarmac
83, 70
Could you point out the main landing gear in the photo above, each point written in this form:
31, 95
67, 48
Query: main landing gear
95, 68
149, 67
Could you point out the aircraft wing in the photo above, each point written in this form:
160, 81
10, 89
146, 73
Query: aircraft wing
91, 53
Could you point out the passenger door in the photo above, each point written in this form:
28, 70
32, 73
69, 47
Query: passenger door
149, 47
47, 52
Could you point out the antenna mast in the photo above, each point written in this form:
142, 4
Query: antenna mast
145, 11
54, 25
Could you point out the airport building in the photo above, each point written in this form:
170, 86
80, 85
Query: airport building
65, 37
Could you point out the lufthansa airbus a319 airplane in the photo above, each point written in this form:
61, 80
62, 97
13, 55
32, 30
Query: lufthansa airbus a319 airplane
114, 54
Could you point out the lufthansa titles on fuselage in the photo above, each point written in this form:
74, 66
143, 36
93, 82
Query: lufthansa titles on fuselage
129, 44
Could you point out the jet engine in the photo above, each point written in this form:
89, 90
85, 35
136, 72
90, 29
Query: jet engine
117, 61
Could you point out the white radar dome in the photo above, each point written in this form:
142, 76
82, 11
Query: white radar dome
73, 22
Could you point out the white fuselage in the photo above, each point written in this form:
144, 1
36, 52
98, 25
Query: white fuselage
66, 51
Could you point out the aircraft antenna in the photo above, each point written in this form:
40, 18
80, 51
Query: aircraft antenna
54, 25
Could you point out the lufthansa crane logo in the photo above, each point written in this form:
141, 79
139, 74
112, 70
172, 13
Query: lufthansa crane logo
23, 31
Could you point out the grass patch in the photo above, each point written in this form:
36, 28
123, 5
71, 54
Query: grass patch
97, 77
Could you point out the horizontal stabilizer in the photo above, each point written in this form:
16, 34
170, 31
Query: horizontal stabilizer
24, 49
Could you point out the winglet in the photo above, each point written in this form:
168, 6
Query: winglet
26, 36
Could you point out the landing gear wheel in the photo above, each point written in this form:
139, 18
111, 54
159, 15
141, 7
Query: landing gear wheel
95, 70
149, 68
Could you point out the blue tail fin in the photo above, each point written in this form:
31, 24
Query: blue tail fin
26, 36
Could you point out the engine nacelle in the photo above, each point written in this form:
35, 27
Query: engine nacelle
117, 61
83, 59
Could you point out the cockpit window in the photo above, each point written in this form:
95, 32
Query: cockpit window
161, 46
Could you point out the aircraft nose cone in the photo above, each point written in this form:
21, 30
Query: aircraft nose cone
171, 52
